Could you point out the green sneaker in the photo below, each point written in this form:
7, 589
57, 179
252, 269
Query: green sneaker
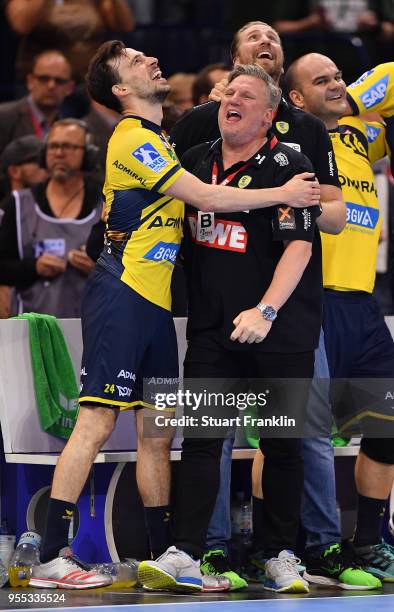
378, 559
215, 563
337, 567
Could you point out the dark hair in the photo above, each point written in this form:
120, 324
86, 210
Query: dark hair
202, 85
235, 41
101, 75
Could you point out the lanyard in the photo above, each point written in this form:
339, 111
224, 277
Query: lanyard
229, 178
36, 125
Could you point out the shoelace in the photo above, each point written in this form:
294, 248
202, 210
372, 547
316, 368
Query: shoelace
217, 563
338, 556
387, 550
289, 564
75, 561
177, 553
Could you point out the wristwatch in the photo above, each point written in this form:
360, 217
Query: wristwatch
267, 312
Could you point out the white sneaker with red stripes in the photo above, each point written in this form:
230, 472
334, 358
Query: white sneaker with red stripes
66, 572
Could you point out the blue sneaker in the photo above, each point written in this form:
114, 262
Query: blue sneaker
377, 559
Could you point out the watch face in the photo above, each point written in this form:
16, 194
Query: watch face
269, 313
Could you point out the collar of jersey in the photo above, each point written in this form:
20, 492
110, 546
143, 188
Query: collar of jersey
216, 150
144, 122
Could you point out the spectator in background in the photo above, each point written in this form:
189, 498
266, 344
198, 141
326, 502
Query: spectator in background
43, 254
77, 27
19, 170
205, 81
48, 83
20, 167
101, 122
180, 95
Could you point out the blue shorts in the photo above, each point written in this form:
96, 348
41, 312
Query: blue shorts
130, 348
360, 353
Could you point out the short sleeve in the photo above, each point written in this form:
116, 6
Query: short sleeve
294, 223
374, 91
324, 163
144, 159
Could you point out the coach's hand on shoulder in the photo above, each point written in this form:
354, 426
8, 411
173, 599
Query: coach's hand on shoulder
250, 327
301, 190
50, 265
218, 90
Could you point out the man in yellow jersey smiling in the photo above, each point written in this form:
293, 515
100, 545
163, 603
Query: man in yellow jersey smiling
127, 325
358, 342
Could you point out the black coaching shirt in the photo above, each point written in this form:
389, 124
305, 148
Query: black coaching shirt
292, 126
230, 270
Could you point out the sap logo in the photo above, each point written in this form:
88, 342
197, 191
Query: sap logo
150, 157
363, 216
126, 374
372, 133
170, 222
163, 251
226, 235
361, 79
123, 391
376, 93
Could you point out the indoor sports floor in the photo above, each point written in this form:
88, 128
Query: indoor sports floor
253, 600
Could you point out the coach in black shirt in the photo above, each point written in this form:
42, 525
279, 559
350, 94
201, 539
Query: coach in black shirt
255, 311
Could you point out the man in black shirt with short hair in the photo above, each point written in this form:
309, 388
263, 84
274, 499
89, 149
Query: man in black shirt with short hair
255, 313
258, 43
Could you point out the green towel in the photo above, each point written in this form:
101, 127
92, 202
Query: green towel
53, 375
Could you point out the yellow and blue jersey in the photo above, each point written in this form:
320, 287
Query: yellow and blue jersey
349, 259
144, 227
374, 92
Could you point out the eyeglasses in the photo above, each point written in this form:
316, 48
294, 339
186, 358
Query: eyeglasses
64, 146
45, 79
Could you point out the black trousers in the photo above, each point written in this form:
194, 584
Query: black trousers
199, 470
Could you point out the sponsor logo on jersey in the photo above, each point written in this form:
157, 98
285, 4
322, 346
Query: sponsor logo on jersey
150, 157
307, 218
292, 145
162, 381
364, 186
170, 222
244, 181
281, 159
260, 158
372, 132
375, 93
123, 391
163, 251
225, 235
286, 218
83, 371
362, 216
361, 79
282, 127
128, 171
331, 163
126, 374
